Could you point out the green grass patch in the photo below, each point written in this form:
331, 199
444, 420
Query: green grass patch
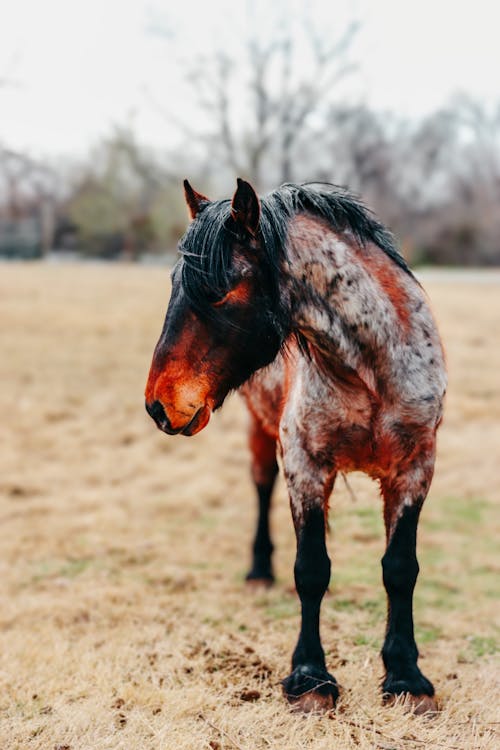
359, 573
483, 645
50, 569
452, 513
361, 639
282, 609
428, 633
344, 605
74, 568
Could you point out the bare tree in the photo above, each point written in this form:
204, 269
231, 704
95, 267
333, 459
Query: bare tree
448, 170
257, 105
28, 193
475, 181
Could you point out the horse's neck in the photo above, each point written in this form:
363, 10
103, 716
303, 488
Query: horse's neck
335, 298
356, 305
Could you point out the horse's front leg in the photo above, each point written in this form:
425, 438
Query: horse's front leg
309, 687
403, 499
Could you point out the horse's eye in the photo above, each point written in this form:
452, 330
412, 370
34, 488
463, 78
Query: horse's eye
240, 294
221, 301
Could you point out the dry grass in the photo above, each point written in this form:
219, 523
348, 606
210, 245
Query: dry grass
124, 622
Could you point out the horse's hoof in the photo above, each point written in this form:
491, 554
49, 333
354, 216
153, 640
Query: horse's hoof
422, 704
311, 703
416, 704
310, 689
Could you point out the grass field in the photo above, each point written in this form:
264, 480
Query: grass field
124, 620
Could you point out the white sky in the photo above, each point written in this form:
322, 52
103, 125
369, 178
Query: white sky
80, 66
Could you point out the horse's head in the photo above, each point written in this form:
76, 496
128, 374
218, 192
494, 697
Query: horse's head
222, 321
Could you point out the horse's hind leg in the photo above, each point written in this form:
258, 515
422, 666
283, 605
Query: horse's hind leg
403, 499
264, 471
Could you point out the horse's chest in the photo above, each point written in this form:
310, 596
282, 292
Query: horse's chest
336, 418
325, 415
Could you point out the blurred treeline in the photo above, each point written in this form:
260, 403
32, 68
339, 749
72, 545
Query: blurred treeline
280, 109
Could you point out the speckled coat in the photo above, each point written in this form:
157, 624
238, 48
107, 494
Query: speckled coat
368, 395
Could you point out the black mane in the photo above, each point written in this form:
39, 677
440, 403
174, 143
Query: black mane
207, 246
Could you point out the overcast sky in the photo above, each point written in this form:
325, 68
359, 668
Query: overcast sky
75, 68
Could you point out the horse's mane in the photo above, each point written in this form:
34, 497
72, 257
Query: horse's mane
208, 243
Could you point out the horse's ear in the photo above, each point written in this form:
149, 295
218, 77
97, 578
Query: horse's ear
193, 199
245, 207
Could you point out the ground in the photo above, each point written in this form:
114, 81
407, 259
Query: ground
124, 619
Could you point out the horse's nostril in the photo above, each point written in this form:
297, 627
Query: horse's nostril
156, 411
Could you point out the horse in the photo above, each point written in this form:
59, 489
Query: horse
301, 300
